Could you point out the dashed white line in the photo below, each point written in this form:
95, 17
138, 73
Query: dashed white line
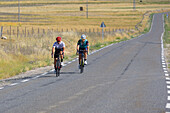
166, 74
69, 63
168, 87
44, 73
165, 71
13, 84
74, 60
25, 80
36, 77
52, 70
1, 88
167, 106
167, 82
168, 91
163, 66
168, 97
167, 78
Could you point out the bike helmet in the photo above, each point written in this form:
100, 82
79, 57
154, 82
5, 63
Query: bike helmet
83, 36
58, 39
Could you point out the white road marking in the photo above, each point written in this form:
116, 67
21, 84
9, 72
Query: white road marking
168, 87
52, 70
168, 97
168, 91
44, 73
1, 88
163, 66
166, 74
165, 71
13, 84
167, 82
25, 80
168, 106
36, 77
167, 78
69, 63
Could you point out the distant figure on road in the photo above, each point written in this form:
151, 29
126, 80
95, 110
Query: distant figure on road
58, 49
83, 45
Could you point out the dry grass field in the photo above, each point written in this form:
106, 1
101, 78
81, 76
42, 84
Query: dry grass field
167, 40
22, 53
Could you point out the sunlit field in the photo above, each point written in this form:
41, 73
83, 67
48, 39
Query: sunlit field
31, 48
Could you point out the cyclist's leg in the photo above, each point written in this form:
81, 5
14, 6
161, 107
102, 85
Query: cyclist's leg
80, 55
85, 56
79, 60
55, 58
61, 56
54, 63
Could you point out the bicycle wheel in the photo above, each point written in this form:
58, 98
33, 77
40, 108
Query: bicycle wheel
56, 72
82, 66
58, 68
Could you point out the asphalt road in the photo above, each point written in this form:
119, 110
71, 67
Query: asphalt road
123, 78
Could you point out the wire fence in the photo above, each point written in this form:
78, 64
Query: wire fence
17, 31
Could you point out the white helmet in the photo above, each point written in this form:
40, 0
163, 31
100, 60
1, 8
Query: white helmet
83, 36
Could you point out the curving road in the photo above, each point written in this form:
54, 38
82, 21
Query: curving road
124, 78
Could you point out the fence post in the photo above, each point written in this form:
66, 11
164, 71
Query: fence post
25, 31
38, 32
32, 31
1, 31
17, 31
10, 32
28, 33
43, 31
89, 30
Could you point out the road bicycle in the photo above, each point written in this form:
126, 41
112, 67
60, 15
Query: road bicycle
82, 60
58, 65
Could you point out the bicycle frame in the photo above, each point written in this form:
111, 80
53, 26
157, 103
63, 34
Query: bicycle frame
82, 61
58, 66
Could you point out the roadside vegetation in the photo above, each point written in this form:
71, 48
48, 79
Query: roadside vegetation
20, 54
167, 40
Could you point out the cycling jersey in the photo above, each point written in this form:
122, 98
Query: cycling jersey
59, 46
83, 45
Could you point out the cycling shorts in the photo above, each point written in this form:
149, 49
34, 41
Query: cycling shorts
82, 49
57, 52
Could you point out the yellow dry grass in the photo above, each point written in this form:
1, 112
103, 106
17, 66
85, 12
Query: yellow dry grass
25, 53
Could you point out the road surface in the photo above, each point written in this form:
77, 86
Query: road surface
124, 78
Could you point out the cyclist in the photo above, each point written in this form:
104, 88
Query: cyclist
58, 48
83, 44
